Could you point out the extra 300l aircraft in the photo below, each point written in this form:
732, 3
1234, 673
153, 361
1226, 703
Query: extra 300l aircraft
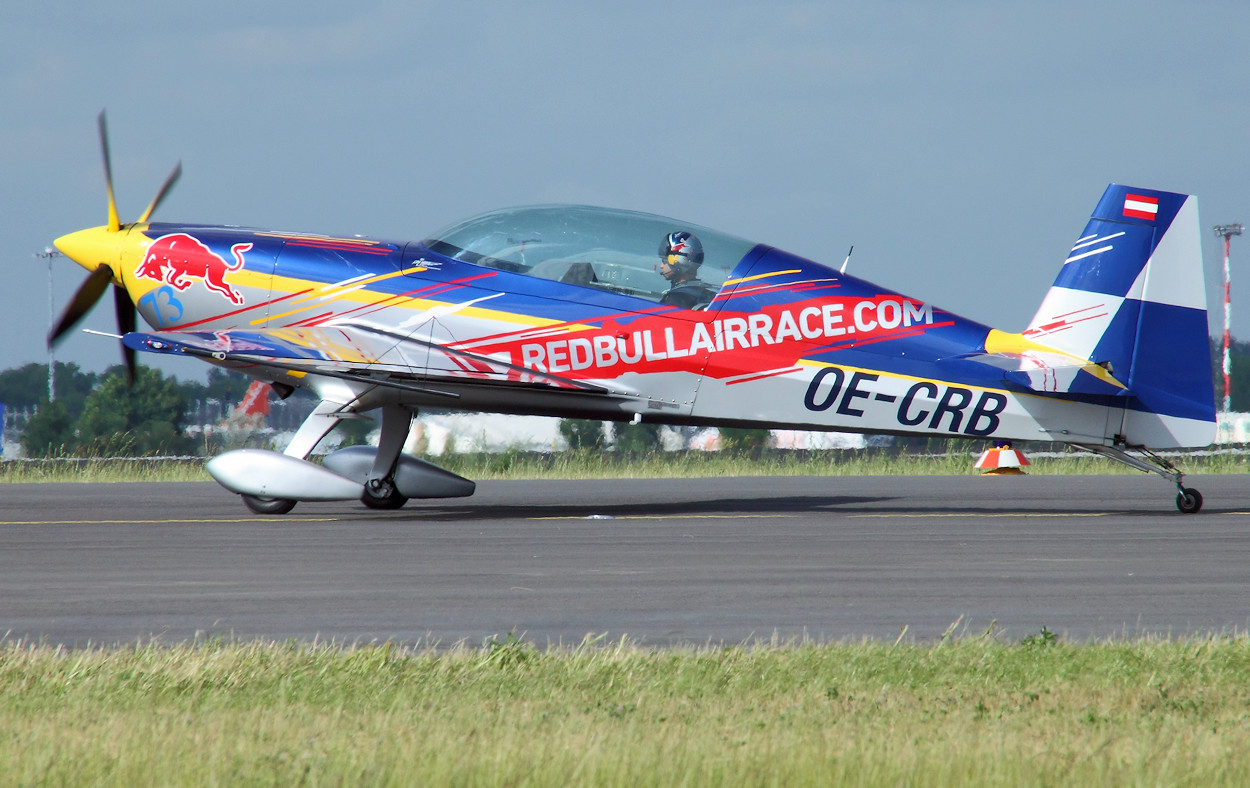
596, 313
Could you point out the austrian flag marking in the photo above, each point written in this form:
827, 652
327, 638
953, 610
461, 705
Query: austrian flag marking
1138, 206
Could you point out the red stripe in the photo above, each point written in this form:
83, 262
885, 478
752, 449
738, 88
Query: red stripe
309, 321
185, 326
765, 375
342, 247
1140, 214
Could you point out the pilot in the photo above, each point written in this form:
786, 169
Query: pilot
680, 257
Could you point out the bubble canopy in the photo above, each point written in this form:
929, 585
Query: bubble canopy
605, 248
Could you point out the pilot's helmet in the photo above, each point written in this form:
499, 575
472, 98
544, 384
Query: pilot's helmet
682, 251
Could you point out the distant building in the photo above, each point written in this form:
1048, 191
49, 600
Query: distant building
1232, 427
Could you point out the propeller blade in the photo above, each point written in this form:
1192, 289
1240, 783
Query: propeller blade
88, 293
126, 323
164, 190
114, 222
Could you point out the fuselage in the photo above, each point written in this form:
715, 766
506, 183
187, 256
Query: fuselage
569, 294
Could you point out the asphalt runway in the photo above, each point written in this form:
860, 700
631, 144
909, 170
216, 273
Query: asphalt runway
660, 562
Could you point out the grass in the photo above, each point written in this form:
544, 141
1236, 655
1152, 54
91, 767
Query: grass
66, 469
963, 711
956, 459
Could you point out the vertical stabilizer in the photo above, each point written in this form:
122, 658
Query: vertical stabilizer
1131, 298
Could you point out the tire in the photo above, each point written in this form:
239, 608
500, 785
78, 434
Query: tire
268, 505
1189, 500
392, 500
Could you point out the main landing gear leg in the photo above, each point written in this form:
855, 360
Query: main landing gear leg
1188, 500
323, 419
380, 492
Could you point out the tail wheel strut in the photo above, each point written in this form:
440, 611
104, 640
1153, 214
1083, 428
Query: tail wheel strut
1188, 499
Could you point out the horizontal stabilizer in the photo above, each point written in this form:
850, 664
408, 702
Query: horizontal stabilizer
1044, 370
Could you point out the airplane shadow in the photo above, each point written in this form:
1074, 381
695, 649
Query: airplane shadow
731, 507
703, 507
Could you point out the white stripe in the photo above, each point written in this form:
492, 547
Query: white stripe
1080, 245
346, 282
1074, 258
1138, 205
338, 293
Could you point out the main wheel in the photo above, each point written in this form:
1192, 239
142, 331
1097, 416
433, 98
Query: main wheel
268, 505
382, 496
1189, 500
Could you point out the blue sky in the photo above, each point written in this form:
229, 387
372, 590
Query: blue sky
960, 146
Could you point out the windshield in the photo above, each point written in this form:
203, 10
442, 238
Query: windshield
596, 247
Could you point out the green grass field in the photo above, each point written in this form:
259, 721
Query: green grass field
968, 711
963, 711
957, 460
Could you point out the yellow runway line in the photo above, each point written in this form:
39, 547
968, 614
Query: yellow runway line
275, 518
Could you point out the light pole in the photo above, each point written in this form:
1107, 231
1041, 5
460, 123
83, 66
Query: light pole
49, 253
1227, 231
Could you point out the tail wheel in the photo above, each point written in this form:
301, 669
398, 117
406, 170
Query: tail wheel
1189, 500
268, 505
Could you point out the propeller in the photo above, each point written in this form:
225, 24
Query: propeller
93, 287
88, 293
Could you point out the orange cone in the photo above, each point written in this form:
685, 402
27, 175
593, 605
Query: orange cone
1001, 460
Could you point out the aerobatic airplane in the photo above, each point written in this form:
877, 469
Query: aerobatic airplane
575, 311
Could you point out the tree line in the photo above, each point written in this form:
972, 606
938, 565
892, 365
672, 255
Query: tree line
103, 414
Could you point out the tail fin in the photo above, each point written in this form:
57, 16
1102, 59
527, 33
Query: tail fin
1131, 299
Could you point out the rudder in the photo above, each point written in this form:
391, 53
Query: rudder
1131, 298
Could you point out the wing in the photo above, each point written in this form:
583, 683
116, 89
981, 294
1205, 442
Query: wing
362, 354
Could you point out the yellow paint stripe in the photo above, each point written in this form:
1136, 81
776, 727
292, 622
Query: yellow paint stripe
760, 276
282, 283
330, 292
281, 315
313, 339
1002, 342
284, 518
324, 293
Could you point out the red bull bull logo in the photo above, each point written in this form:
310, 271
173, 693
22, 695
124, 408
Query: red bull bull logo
179, 259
